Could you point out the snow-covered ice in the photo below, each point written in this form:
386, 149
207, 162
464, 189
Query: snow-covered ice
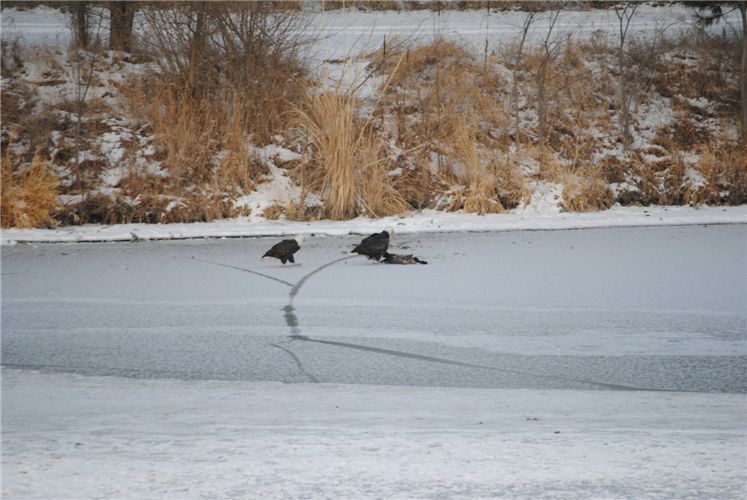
475, 365
67, 436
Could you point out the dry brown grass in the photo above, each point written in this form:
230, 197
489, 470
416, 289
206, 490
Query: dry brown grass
349, 167
511, 185
443, 107
479, 182
724, 172
28, 197
586, 192
733, 180
435, 86
416, 184
273, 212
710, 168
201, 144
331, 123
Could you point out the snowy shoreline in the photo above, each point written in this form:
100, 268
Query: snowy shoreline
427, 221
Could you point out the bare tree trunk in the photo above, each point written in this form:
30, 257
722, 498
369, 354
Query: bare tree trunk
122, 16
514, 74
196, 46
541, 113
743, 76
83, 84
80, 22
550, 51
624, 15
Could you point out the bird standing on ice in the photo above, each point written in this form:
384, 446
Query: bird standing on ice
375, 246
285, 250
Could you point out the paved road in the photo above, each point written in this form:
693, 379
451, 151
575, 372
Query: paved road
632, 308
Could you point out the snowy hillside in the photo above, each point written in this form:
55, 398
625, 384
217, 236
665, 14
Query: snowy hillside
451, 114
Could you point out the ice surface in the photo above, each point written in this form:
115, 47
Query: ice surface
503, 368
67, 436
658, 308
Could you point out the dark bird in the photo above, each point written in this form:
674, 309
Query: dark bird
394, 258
285, 250
375, 246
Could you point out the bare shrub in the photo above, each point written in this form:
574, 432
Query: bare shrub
514, 53
547, 56
241, 57
626, 92
227, 73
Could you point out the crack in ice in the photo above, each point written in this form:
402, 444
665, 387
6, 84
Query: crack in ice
291, 320
273, 278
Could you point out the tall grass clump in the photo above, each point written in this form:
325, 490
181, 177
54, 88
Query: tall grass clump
586, 192
331, 123
28, 196
350, 165
480, 184
724, 175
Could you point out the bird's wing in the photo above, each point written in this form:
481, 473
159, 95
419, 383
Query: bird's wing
282, 248
380, 243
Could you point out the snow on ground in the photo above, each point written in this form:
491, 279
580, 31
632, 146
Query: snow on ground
537, 215
69, 436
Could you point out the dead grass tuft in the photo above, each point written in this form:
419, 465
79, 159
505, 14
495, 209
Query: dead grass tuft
273, 212
733, 179
29, 196
331, 122
349, 167
479, 196
586, 191
415, 184
724, 170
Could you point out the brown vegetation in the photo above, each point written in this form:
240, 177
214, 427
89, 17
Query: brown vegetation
28, 197
349, 166
449, 130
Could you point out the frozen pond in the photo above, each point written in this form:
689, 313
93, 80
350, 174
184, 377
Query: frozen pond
627, 308
503, 368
